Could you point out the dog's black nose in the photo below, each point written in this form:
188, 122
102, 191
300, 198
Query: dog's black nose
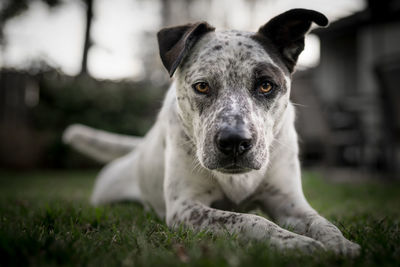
233, 141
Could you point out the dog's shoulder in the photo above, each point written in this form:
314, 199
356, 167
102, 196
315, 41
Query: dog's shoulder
168, 115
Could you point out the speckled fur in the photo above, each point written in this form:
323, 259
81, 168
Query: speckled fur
228, 66
178, 171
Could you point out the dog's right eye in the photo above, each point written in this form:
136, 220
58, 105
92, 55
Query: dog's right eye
201, 87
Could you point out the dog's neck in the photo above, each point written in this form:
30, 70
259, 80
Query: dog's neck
238, 187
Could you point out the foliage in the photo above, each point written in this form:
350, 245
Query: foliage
121, 107
46, 220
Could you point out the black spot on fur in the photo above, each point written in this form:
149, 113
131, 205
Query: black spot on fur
287, 237
194, 215
217, 47
240, 43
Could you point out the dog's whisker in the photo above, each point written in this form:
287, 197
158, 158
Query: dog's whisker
275, 140
195, 165
300, 105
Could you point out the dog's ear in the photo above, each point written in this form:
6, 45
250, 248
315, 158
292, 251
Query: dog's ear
287, 30
175, 42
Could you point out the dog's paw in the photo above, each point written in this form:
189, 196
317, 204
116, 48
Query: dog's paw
338, 244
333, 239
343, 247
300, 243
307, 245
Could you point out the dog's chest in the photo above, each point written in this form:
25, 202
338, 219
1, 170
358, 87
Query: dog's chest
238, 187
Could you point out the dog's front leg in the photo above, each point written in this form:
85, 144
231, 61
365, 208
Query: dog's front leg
282, 198
197, 216
188, 194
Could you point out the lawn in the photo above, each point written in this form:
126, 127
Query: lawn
46, 220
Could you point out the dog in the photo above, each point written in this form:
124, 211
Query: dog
223, 141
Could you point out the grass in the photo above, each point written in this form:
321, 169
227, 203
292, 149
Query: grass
46, 220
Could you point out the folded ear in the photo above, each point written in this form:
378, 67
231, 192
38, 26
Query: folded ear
287, 31
175, 42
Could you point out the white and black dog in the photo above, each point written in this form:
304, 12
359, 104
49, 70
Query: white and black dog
224, 139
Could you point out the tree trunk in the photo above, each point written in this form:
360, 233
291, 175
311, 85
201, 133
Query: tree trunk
88, 41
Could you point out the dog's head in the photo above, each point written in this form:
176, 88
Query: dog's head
233, 87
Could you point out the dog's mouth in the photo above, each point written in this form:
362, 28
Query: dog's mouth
233, 169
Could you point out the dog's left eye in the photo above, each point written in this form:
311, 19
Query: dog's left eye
201, 87
265, 87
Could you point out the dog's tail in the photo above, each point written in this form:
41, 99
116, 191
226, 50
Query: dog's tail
99, 145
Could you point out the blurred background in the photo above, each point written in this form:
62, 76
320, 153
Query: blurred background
96, 62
